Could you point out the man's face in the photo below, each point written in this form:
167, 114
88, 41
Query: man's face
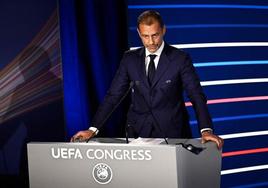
151, 36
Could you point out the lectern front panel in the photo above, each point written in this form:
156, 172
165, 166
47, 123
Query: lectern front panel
81, 165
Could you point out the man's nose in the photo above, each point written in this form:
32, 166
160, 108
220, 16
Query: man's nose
151, 40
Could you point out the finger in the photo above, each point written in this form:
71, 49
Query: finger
74, 137
221, 143
220, 146
213, 139
218, 142
206, 138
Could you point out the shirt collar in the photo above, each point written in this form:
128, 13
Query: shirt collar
158, 51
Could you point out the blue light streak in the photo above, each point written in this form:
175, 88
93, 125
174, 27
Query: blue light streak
204, 6
230, 118
230, 63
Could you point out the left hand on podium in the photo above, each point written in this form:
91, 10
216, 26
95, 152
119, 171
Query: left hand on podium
209, 136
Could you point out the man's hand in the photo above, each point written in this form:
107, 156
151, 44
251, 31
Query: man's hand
83, 135
209, 136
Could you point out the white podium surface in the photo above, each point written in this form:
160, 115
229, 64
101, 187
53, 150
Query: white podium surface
111, 163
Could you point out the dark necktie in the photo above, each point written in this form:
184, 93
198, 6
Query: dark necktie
151, 69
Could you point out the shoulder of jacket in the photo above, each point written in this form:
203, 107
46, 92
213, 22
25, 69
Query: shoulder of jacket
176, 52
134, 52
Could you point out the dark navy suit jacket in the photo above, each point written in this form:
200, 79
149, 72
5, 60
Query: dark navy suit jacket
157, 110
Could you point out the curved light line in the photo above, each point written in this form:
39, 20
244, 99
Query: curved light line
244, 152
208, 6
220, 44
241, 135
215, 26
246, 134
260, 184
229, 100
230, 118
233, 81
245, 169
227, 63
239, 99
191, 26
217, 45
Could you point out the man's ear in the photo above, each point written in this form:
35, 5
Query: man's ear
164, 30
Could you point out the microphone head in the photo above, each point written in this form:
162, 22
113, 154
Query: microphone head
131, 84
191, 148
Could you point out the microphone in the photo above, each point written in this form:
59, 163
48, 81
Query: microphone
131, 84
191, 148
156, 124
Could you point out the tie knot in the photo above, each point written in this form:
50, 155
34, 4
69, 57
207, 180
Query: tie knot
152, 57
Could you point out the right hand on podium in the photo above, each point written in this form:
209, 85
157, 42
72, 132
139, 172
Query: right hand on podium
83, 136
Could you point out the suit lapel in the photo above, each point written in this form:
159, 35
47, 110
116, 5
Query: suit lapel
162, 65
141, 67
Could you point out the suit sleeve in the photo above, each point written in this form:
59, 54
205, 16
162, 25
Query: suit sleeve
118, 88
191, 84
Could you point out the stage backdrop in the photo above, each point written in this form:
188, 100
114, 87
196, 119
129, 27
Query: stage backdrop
31, 105
228, 43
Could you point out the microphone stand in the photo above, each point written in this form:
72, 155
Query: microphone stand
114, 108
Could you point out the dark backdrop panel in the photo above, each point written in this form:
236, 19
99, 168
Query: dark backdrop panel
31, 97
234, 77
93, 39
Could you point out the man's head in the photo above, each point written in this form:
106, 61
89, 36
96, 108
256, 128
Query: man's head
151, 29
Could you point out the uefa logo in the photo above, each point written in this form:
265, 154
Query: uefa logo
102, 173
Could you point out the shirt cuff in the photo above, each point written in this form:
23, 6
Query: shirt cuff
206, 129
94, 129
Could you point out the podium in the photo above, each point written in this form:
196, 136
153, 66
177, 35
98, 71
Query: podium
107, 162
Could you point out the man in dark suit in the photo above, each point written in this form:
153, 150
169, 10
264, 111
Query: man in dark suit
157, 74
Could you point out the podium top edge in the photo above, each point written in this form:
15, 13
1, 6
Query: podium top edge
114, 142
